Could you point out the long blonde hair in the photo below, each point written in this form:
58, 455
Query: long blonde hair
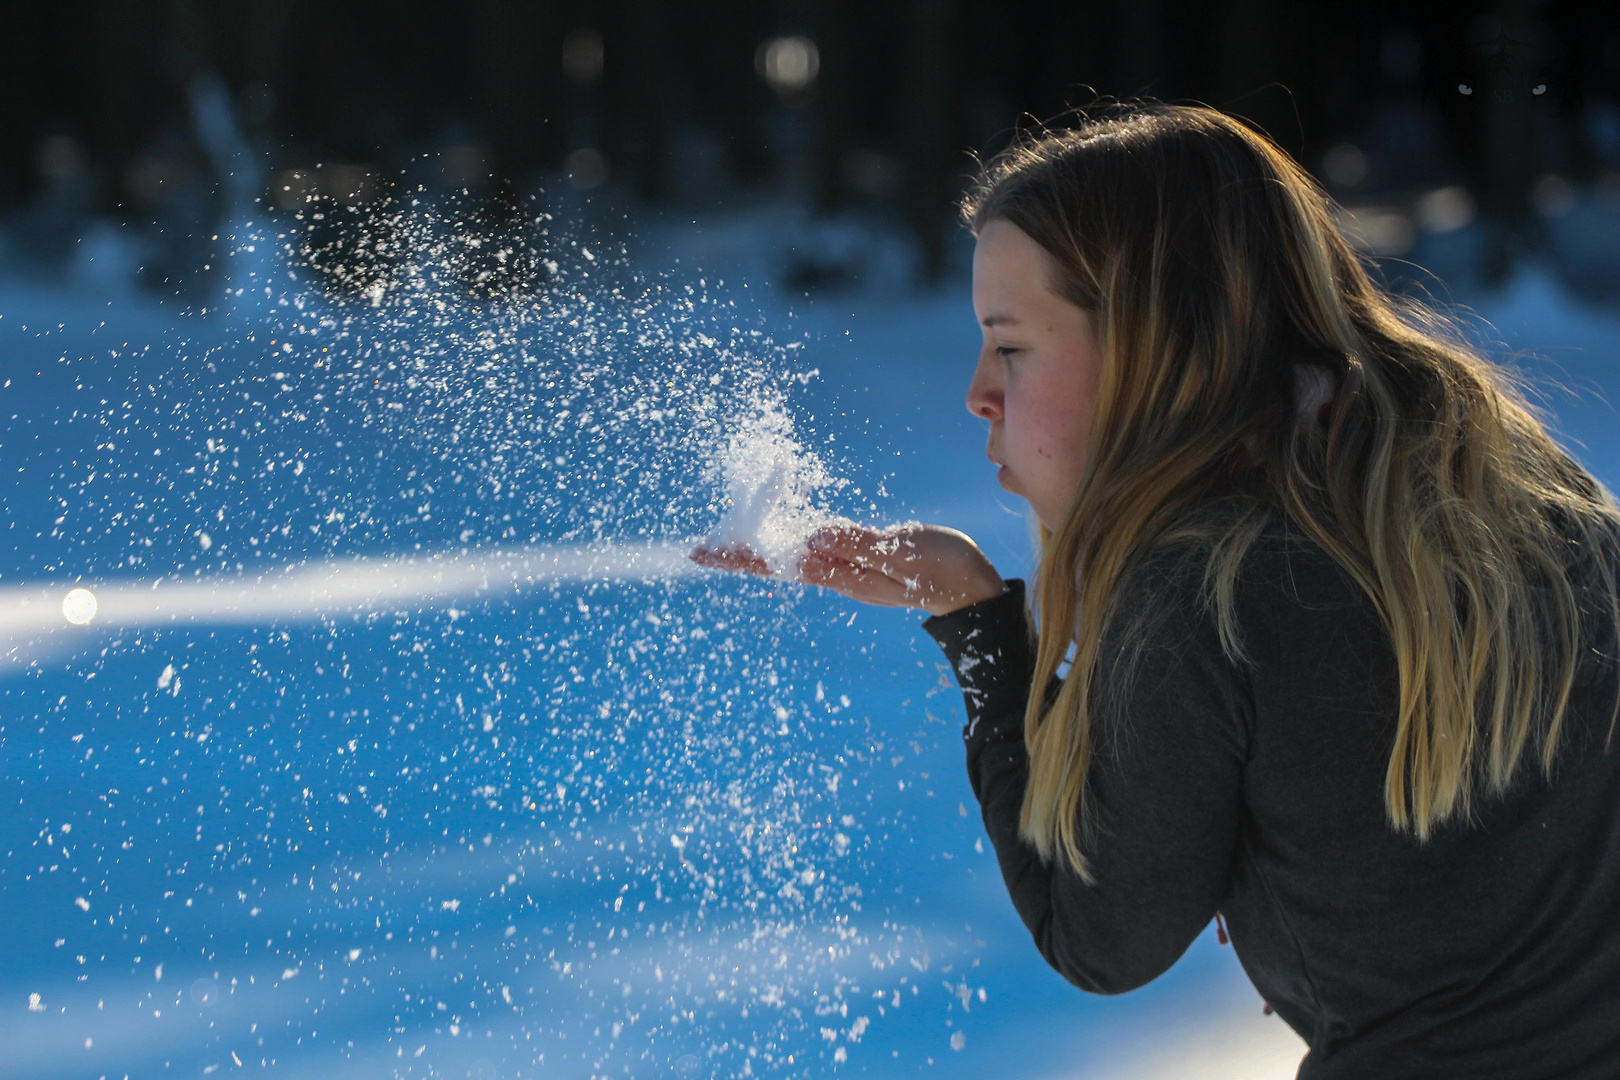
1214, 266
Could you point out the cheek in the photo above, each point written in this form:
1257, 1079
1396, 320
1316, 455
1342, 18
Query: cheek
1056, 427
1047, 421
1068, 403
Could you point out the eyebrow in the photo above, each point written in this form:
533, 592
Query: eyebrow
997, 320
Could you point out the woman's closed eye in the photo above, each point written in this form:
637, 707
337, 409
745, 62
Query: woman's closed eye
1006, 351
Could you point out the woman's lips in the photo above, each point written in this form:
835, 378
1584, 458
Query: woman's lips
1002, 474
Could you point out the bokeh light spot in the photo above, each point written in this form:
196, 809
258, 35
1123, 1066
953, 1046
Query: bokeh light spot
79, 606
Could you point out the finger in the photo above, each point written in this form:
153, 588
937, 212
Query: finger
733, 557
885, 550
851, 580
742, 560
883, 554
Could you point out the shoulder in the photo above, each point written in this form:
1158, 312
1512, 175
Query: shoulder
1226, 573
1258, 546
1170, 668
1181, 570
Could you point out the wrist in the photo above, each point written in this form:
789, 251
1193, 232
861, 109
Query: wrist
988, 589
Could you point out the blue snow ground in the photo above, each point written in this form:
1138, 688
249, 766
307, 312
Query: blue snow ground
693, 828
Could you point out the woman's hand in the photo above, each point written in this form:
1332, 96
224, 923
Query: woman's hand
920, 566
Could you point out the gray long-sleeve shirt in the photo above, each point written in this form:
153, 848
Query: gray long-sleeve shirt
1257, 790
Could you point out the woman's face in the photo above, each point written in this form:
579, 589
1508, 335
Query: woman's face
1037, 372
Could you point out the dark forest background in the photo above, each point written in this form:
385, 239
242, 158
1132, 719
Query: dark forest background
156, 114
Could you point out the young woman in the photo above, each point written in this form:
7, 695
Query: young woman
1324, 622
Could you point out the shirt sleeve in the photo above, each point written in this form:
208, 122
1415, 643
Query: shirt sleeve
1163, 793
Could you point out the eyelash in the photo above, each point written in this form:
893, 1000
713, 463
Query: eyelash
1006, 351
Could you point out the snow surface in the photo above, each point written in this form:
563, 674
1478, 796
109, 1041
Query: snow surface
694, 825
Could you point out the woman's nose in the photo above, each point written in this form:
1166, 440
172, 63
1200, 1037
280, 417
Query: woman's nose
984, 393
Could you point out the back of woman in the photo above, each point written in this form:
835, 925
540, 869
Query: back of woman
1488, 949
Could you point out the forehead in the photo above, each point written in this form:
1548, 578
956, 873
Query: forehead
1011, 269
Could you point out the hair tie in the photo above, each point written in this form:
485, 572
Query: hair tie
1314, 390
